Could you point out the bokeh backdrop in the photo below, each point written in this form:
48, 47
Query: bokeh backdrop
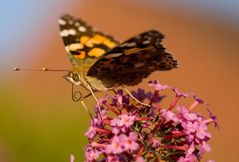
39, 121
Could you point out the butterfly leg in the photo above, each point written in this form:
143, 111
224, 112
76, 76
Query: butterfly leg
87, 110
115, 92
77, 99
86, 96
134, 97
96, 99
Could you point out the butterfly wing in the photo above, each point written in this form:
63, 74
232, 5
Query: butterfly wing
133, 60
83, 44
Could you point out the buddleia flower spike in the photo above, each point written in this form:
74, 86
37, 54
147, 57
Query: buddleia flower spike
133, 132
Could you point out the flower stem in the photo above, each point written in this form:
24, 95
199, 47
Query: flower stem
184, 147
104, 131
193, 105
171, 106
143, 118
160, 123
99, 145
140, 151
114, 110
175, 135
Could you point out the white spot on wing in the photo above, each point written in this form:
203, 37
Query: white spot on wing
131, 44
146, 42
72, 32
77, 24
62, 22
66, 33
75, 46
128, 44
82, 29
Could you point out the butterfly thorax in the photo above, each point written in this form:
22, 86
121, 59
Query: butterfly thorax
78, 77
93, 82
97, 84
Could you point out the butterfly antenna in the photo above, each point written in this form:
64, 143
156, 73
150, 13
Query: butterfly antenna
43, 69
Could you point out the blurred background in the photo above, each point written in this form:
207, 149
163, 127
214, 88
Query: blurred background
39, 121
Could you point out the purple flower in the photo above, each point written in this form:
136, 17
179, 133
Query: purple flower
190, 158
130, 141
97, 121
186, 114
210, 161
191, 149
122, 143
72, 158
113, 158
127, 131
123, 120
201, 131
91, 154
157, 85
115, 146
90, 133
198, 99
116, 130
141, 95
213, 117
197, 128
205, 147
190, 127
169, 115
118, 99
103, 101
139, 159
178, 93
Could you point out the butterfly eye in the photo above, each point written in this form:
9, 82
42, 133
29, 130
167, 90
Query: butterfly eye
75, 77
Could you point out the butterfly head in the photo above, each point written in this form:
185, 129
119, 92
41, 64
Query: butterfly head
73, 77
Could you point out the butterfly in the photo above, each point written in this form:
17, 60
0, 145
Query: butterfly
101, 63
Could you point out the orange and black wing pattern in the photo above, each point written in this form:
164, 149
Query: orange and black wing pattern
83, 44
131, 61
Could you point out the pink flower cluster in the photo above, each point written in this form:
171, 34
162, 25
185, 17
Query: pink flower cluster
127, 131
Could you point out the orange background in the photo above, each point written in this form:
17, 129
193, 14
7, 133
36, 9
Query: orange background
38, 119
